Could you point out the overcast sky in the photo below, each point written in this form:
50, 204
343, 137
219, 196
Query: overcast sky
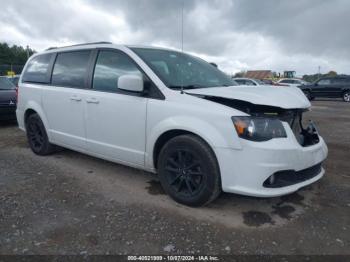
238, 35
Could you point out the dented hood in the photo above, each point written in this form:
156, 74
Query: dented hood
283, 97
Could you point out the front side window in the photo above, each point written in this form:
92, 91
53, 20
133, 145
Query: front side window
179, 70
250, 83
240, 81
37, 70
109, 67
71, 69
324, 82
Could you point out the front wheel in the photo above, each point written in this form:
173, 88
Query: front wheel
346, 96
309, 96
188, 171
37, 136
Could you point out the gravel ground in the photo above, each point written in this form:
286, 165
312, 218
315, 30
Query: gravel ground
69, 203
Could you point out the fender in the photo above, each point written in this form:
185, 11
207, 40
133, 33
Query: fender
207, 131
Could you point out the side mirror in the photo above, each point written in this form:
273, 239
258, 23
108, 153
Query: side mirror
133, 83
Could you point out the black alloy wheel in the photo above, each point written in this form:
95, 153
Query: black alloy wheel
184, 173
37, 136
188, 171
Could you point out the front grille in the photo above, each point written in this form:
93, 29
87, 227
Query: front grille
291, 177
305, 136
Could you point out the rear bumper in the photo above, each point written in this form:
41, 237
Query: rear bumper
245, 171
8, 113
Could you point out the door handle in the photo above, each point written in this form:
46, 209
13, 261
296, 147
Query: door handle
92, 101
75, 98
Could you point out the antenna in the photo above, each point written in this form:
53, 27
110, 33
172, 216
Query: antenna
182, 39
182, 26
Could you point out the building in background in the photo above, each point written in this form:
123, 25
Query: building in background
259, 74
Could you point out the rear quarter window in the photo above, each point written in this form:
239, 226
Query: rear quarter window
37, 70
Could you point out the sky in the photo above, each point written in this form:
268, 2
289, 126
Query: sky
278, 35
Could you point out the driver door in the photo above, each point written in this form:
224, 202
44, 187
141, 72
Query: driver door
116, 119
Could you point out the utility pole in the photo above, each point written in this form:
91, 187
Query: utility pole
319, 72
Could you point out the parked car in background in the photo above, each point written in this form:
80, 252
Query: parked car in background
331, 87
248, 81
7, 99
14, 79
268, 82
173, 114
292, 82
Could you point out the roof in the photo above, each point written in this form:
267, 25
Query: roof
258, 74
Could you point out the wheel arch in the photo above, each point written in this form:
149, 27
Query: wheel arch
34, 108
172, 127
167, 136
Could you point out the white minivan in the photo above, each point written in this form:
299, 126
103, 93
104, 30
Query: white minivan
173, 114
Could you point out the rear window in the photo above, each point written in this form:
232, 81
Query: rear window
37, 70
70, 69
5, 84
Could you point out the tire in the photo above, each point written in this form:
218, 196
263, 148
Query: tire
309, 96
37, 136
346, 96
188, 171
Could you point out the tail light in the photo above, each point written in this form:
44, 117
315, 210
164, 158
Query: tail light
17, 89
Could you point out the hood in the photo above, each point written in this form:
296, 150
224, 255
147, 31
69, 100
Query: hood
283, 97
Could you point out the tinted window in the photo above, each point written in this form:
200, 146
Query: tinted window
240, 81
5, 84
250, 83
38, 69
70, 69
286, 82
324, 82
110, 66
339, 81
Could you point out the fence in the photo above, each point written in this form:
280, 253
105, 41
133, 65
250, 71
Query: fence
8, 68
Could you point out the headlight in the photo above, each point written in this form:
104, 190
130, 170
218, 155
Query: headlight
258, 128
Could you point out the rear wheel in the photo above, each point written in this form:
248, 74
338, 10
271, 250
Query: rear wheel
37, 136
188, 171
346, 96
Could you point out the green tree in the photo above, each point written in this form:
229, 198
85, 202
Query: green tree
14, 55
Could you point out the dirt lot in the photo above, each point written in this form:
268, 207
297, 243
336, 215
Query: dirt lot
70, 203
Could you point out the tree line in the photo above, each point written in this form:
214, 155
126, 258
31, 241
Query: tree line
14, 55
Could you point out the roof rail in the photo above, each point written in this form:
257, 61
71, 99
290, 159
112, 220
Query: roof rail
93, 43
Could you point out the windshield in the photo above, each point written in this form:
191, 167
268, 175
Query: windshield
179, 70
260, 82
6, 84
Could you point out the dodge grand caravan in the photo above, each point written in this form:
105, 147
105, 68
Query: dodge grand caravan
173, 114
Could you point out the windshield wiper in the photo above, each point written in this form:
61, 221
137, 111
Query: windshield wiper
185, 87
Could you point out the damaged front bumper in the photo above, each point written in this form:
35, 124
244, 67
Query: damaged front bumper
293, 162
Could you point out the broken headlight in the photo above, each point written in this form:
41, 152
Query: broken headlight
258, 128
